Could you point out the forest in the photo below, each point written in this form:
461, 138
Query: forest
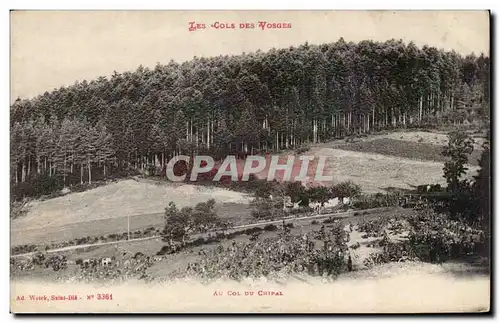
249, 103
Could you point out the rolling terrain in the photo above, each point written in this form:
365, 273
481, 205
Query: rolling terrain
104, 210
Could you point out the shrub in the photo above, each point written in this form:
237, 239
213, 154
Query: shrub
23, 249
38, 258
265, 208
302, 149
300, 210
19, 208
198, 242
356, 246
253, 230
373, 228
270, 227
164, 250
375, 201
274, 257
436, 238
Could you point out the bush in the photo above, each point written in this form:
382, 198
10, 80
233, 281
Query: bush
300, 210
23, 249
435, 238
164, 250
273, 257
231, 235
373, 228
356, 246
253, 230
375, 201
198, 242
265, 208
19, 208
38, 258
302, 149
270, 227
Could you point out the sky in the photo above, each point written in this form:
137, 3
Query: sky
50, 49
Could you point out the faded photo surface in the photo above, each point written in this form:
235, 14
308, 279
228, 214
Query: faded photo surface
250, 162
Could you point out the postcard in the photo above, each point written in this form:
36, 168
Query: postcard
250, 162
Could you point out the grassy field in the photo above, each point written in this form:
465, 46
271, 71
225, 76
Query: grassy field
120, 199
233, 212
405, 149
437, 138
402, 160
379, 173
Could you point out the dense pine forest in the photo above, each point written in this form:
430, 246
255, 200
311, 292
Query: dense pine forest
249, 103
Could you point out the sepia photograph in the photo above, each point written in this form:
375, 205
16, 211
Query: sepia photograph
291, 161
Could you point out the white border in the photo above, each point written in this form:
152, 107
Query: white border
192, 5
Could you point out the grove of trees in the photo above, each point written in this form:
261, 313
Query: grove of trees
180, 223
272, 197
261, 101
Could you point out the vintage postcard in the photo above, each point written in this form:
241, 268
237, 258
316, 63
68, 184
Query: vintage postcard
250, 162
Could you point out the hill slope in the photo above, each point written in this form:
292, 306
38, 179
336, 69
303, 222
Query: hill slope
120, 199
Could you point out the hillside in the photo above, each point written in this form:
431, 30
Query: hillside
104, 208
120, 199
257, 102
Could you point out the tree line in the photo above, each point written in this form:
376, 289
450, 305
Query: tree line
253, 102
